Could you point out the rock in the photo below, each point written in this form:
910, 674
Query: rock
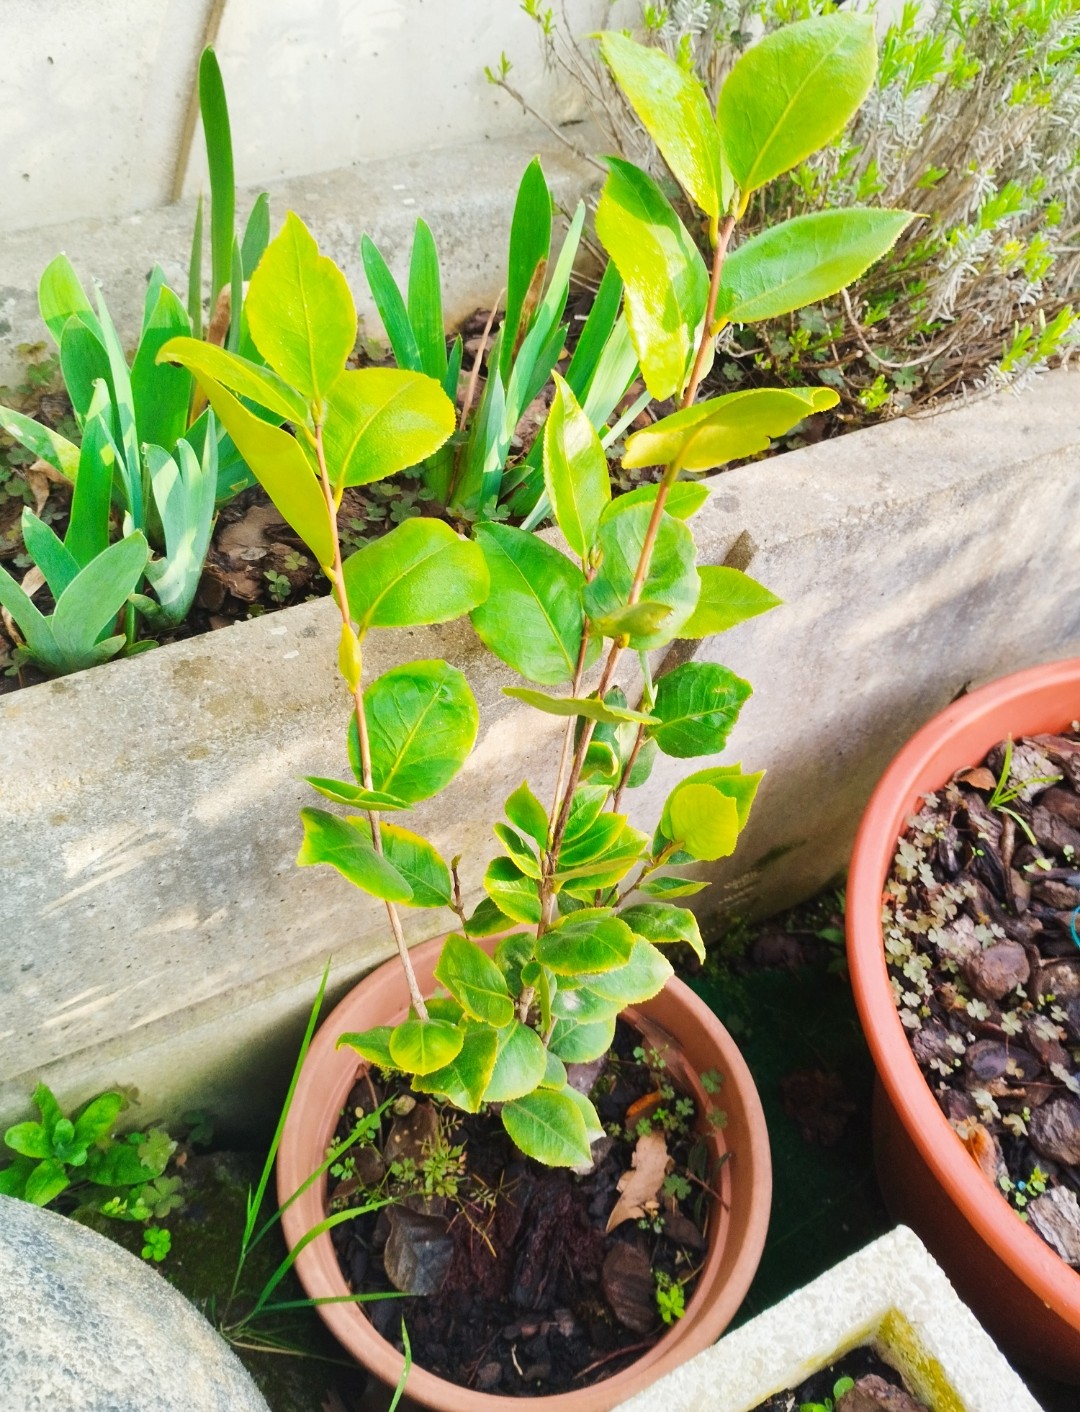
418, 1251
1054, 1130
874, 1394
932, 1042
412, 1133
1060, 979
995, 970
1047, 1051
1072, 1019
1058, 895
581, 1077
682, 1231
985, 1063
85, 1326
1056, 1217
628, 1286
488, 1376
957, 1106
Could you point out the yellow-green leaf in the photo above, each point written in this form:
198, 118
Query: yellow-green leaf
474, 980
575, 470
728, 597
549, 1127
421, 572
520, 1064
422, 1046
330, 839
380, 421
462, 1082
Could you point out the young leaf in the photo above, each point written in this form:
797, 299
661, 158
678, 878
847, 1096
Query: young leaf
301, 312
342, 844
487, 920
421, 572
532, 618
588, 706
513, 955
672, 579
664, 925
667, 285
61, 295
239, 375
549, 1127
520, 1063
728, 597
161, 393
98, 1117
525, 812
803, 260
475, 981
698, 703
423, 1046
91, 503
668, 888
422, 722
724, 428
355, 795
704, 821
520, 852
575, 471
380, 421
585, 942
462, 1082
514, 893
674, 111
45, 1183
792, 93
684, 499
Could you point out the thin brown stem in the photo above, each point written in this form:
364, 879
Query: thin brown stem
474, 374
639, 741
341, 597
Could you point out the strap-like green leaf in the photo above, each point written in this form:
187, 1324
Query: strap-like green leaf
61, 295
47, 551
256, 234
42, 441
425, 303
183, 488
421, 572
391, 307
84, 363
96, 594
215, 120
530, 244
161, 392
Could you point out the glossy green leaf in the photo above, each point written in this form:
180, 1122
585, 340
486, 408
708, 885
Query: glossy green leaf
84, 363
521, 852
45, 1183
588, 706
346, 847
672, 579
194, 281
421, 572
129, 462
548, 1127
61, 295
89, 526
728, 597
684, 499
355, 795
532, 618
418, 862
520, 1063
634, 621
667, 285
391, 306
703, 820
278, 463
380, 421
424, 1046
575, 470
475, 981
644, 975
422, 722
585, 809
584, 942
300, 311
666, 889
373, 1045
675, 112
464, 1080
256, 234
526, 813
98, 1117
725, 428
698, 704
578, 1043
582, 1005
487, 920
516, 895
239, 375
803, 260
215, 118
513, 955
664, 925
594, 1129
792, 93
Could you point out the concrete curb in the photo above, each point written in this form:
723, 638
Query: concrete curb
891, 1295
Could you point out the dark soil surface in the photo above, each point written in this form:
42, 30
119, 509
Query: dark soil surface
981, 934
529, 1294
871, 1375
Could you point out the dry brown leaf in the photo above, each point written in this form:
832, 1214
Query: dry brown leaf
983, 1147
39, 477
979, 778
640, 1186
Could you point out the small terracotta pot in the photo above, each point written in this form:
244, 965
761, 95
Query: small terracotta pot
735, 1240
1026, 1296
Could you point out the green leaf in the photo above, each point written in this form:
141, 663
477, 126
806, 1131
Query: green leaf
183, 491
391, 306
728, 597
300, 312
84, 363
118, 1164
684, 499
43, 442
95, 596
667, 285
583, 1005
520, 1063
61, 295
586, 941
634, 621
548, 1127
342, 844
247, 379
161, 393
520, 852
345, 792
555, 1074
487, 920
277, 462
663, 925
475, 981
256, 234
98, 1117
421, 572
526, 813
575, 470
698, 704
668, 888
731, 781
463, 1081
792, 93
91, 504
674, 111
419, 863
219, 155
32, 623
29, 1140
130, 465
194, 283
588, 706
513, 955
423, 1046
49, 554
45, 1183
380, 421
578, 1043
425, 303
725, 428
516, 895
532, 618
530, 244
585, 809
594, 1129
422, 722
644, 975
803, 260
373, 1045
672, 579
703, 820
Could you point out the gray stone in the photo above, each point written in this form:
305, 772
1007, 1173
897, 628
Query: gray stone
1054, 1130
86, 1327
418, 1251
1056, 1216
995, 970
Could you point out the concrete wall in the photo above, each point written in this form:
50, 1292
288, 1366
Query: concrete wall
156, 932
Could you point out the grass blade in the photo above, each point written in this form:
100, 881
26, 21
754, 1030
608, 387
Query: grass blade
391, 307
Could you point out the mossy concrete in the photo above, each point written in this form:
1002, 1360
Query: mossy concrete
158, 932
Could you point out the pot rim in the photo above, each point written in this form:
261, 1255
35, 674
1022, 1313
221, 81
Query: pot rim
1033, 698
705, 1319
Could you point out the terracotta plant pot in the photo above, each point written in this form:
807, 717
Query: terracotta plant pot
1026, 1296
735, 1241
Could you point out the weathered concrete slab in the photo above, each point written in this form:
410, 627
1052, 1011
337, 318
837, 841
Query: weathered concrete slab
891, 1295
156, 930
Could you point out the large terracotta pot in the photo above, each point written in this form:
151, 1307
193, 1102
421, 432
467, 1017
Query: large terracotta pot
735, 1240
1026, 1296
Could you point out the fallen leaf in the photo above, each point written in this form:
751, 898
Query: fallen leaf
640, 1186
39, 476
983, 1147
979, 778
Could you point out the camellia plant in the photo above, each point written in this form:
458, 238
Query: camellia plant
587, 899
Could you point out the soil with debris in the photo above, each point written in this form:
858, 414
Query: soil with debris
876, 1387
529, 1292
981, 934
